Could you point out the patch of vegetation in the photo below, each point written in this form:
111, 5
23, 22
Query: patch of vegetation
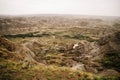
12, 71
107, 78
32, 34
5, 69
112, 60
116, 25
80, 37
117, 35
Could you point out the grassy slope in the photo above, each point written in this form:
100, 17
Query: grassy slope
10, 70
13, 70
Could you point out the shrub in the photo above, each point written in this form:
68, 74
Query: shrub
80, 37
31, 34
112, 59
6, 76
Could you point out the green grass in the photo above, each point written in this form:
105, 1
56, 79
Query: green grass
80, 37
12, 71
31, 34
111, 60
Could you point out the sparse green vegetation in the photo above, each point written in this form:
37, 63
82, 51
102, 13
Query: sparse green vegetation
80, 37
111, 60
65, 46
116, 25
32, 34
12, 72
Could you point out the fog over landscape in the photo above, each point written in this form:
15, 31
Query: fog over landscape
81, 7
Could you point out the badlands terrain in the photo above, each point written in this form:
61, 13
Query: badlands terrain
59, 47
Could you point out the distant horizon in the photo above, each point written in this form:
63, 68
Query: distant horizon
71, 7
56, 15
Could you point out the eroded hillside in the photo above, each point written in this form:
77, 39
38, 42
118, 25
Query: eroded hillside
48, 46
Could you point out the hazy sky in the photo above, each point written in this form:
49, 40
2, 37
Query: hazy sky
83, 7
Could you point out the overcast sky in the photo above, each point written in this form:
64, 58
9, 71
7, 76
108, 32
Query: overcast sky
82, 7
